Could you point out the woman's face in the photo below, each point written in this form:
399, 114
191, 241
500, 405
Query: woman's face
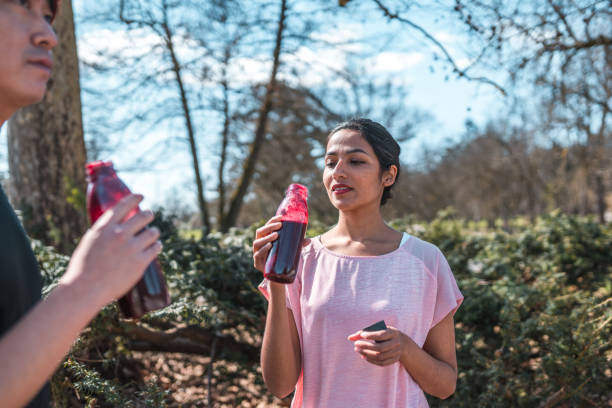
352, 176
26, 42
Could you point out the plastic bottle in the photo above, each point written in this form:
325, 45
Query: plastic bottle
104, 190
282, 261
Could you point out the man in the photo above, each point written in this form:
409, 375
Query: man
36, 334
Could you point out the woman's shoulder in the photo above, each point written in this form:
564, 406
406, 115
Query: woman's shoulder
310, 247
418, 244
422, 250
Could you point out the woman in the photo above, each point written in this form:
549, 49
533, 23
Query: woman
36, 334
359, 272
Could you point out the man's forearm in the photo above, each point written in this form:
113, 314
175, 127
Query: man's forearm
31, 350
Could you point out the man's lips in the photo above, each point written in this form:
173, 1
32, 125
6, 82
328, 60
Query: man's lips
339, 189
44, 63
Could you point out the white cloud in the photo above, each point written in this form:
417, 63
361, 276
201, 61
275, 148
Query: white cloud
393, 62
92, 45
314, 66
347, 38
245, 70
446, 38
463, 63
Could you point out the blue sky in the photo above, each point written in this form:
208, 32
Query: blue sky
405, 59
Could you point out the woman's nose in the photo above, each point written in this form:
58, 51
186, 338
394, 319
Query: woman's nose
339, 170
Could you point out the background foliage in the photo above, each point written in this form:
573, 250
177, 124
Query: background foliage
534, 329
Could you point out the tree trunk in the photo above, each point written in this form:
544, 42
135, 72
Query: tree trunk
47, 151
601, 163
187, 339
176, 67
260, 131
224, 143
600, 193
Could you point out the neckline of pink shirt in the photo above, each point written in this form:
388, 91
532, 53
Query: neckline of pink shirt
317, 240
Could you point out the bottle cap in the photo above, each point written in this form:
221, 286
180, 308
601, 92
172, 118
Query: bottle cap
299, 189
295, 205
93, 167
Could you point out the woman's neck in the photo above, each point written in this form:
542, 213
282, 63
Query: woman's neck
361, 226
361, 233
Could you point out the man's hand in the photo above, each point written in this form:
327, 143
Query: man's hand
114, 253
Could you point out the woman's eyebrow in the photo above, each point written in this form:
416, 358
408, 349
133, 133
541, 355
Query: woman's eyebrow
356, 150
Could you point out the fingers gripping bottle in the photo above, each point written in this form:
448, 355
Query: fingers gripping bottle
104, 190
281, 265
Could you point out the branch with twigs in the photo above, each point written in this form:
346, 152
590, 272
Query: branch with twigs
463, 73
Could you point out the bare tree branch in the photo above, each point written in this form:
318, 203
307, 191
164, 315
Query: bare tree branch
459, 71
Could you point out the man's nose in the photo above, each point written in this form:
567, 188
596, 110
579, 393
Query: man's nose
44, 36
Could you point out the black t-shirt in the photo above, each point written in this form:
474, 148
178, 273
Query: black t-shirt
20, 280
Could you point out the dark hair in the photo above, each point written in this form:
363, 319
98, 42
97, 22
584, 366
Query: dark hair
385, 147
55, 5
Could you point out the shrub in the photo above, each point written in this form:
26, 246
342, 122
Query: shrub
534, 329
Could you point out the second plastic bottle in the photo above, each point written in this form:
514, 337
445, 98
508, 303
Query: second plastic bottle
282, 261
104, 190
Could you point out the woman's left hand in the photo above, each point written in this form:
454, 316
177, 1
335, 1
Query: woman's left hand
383, 347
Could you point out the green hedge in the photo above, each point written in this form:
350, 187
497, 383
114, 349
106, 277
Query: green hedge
534, 329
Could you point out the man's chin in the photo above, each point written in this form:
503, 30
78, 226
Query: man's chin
33, 96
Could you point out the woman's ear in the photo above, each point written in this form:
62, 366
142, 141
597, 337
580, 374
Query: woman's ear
389, 175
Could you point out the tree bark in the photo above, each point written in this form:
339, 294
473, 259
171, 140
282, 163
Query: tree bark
224, 144
555, 398
187, 339
47, 151
601, 164
176, 67
260, 131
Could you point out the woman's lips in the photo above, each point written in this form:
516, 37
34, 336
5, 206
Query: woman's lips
341, 189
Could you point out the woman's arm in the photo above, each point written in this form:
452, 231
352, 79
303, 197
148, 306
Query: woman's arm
434, 367
281, 361
109, 260
280, 352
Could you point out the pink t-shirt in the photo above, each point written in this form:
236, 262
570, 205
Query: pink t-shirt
411, 288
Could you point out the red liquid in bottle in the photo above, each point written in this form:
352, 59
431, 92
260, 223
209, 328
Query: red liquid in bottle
105, 189
281, 265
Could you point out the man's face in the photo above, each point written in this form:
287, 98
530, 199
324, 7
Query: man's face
25, 50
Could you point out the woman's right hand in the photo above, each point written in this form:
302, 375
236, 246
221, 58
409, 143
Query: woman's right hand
264, 236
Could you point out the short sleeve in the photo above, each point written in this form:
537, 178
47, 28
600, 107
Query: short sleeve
264, 288
291, 291
448, 296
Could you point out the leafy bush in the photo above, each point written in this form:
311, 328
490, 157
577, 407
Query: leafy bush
534, 329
